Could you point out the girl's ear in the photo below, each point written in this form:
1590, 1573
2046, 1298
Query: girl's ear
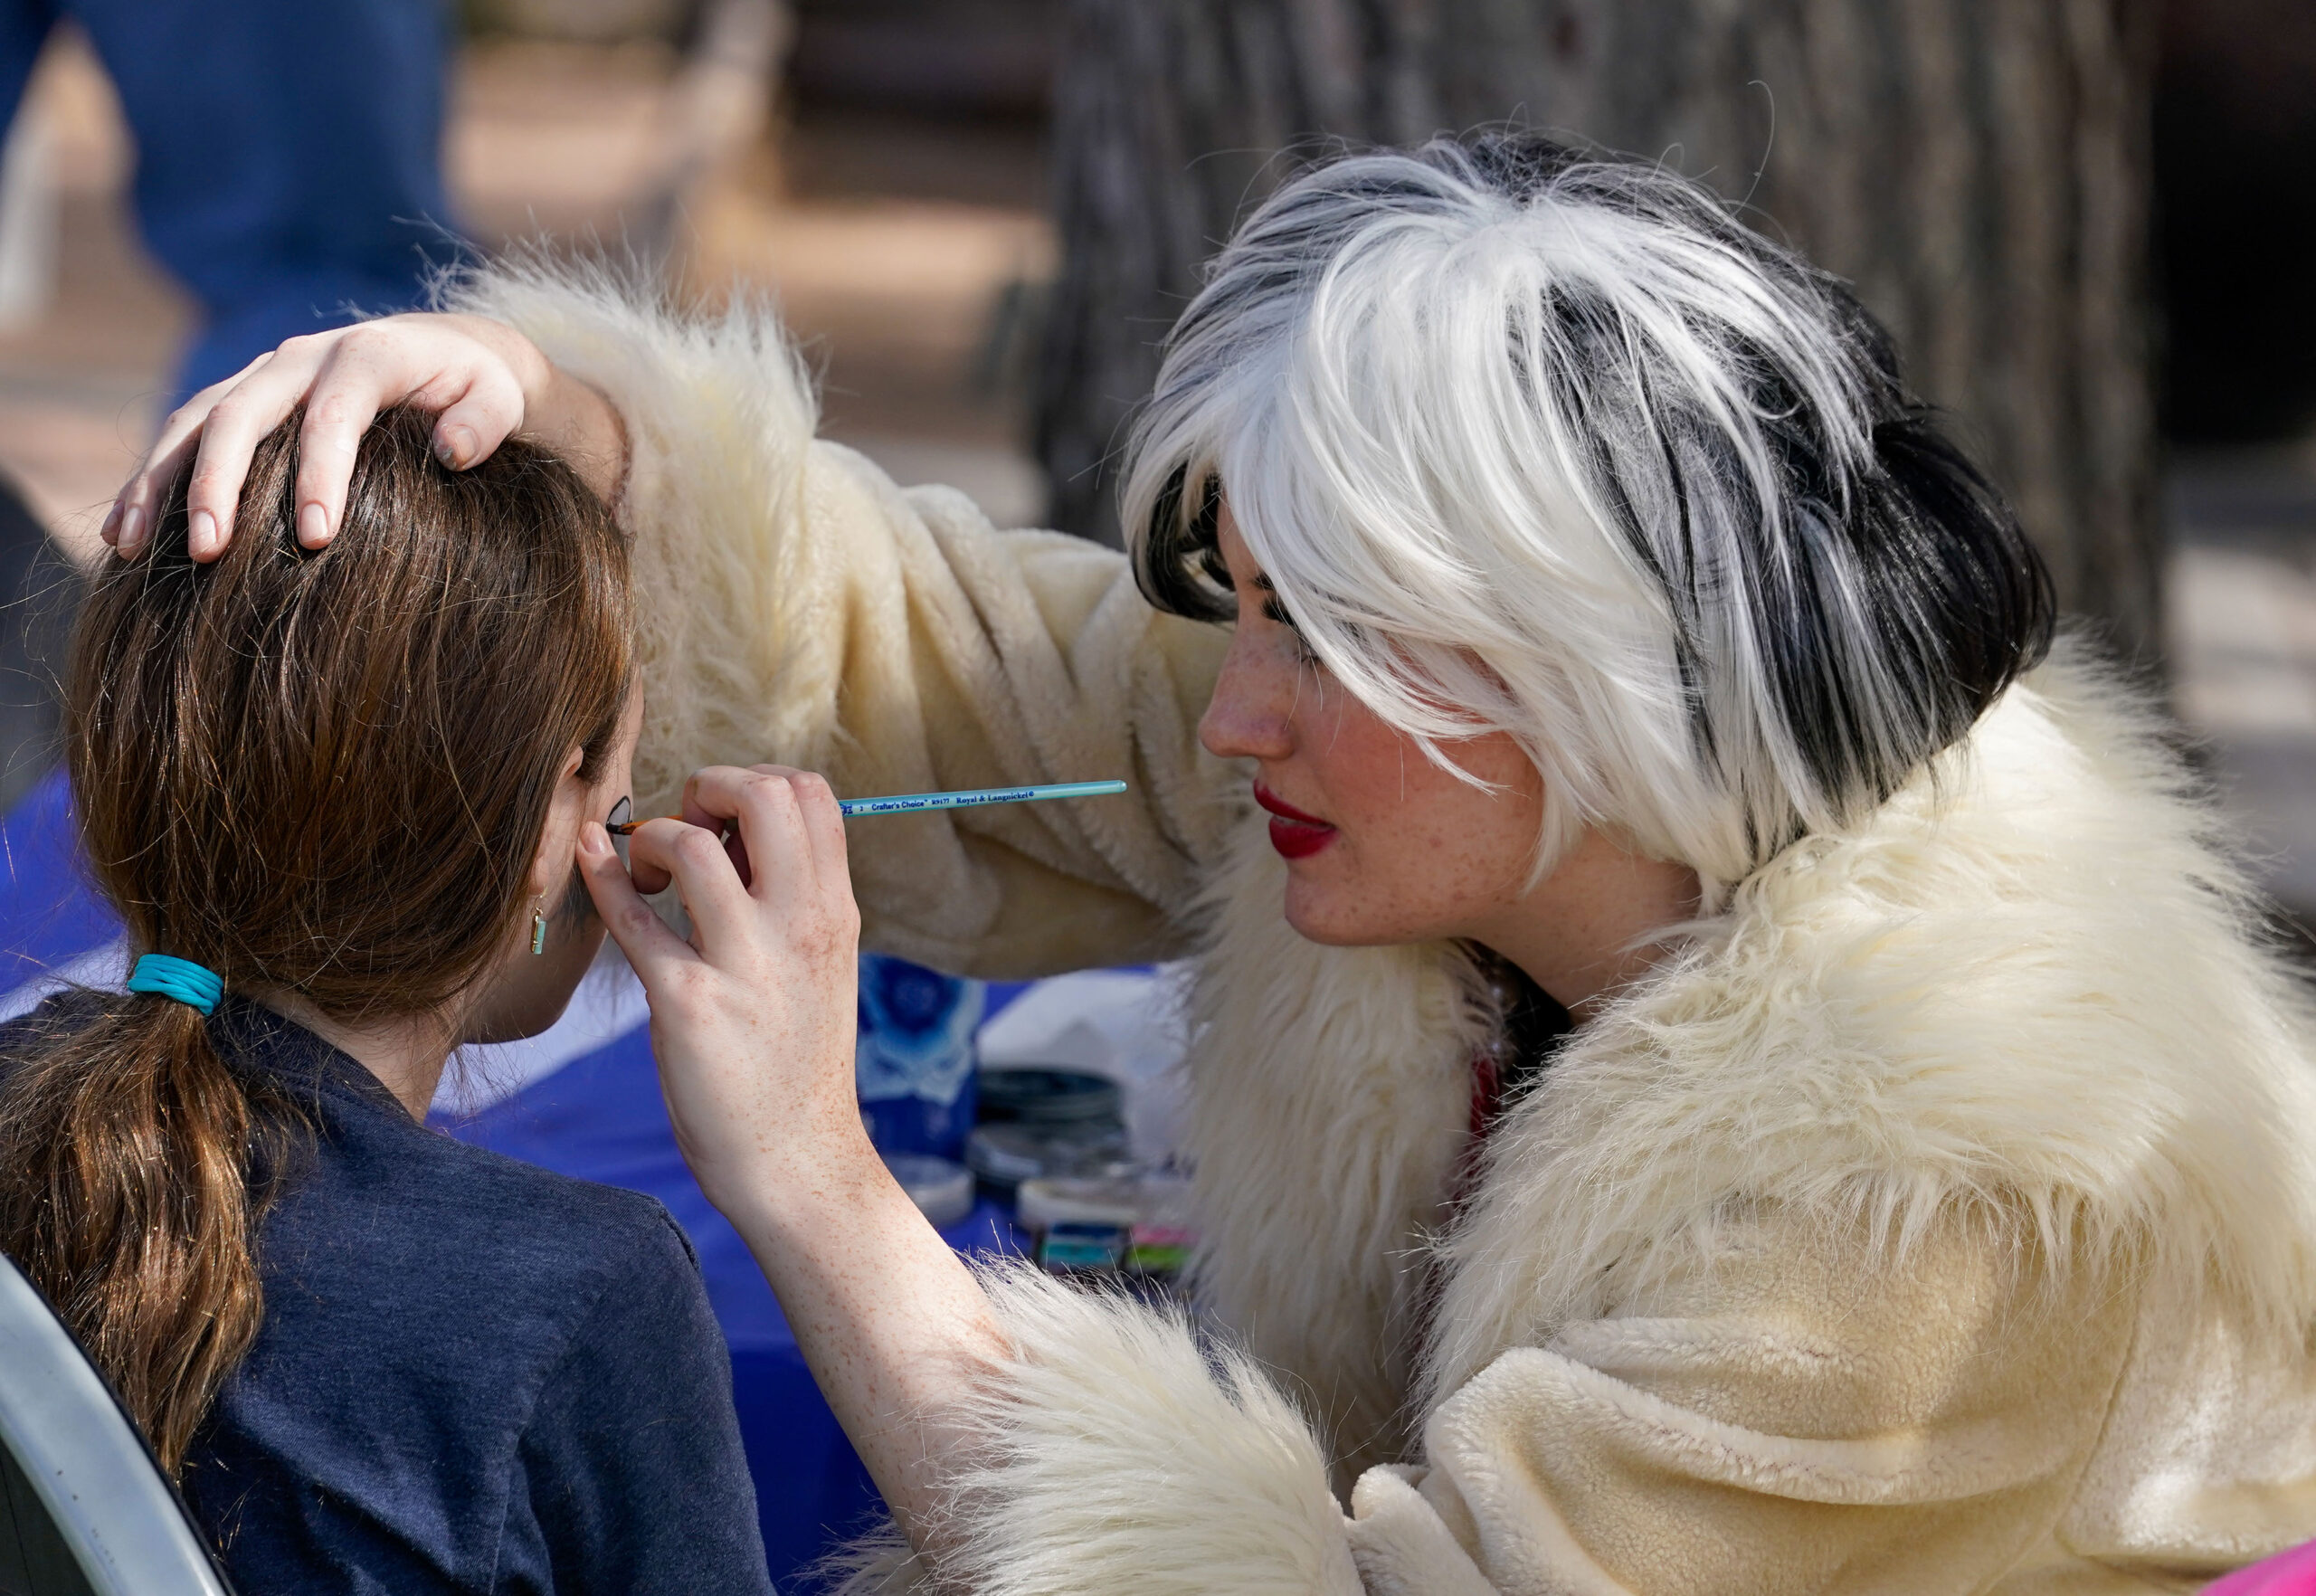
559, 840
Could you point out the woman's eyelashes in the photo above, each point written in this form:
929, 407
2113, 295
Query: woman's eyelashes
1273, 610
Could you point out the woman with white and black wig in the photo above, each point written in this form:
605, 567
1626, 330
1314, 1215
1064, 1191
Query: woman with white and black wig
1722, 1058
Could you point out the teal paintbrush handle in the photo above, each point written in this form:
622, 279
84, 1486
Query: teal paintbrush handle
972, 798
910, 803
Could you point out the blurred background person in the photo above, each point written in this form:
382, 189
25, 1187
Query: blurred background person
288, 155
287, 177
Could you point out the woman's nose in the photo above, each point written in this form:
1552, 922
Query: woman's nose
1250, 715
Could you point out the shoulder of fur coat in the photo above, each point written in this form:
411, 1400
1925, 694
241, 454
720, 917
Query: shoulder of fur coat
2031, 989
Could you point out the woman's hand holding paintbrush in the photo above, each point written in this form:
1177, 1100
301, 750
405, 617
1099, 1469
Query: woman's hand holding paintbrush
752, 1021
760, 993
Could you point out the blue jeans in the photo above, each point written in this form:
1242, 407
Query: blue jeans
289, 153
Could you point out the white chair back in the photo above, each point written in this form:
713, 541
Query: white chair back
84, 1509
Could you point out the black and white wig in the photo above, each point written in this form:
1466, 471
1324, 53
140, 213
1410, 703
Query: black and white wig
1552, 445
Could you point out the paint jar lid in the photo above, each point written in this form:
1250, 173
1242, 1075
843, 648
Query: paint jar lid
1042, 1095
1137, 1199
1004, 1156
1043, 1203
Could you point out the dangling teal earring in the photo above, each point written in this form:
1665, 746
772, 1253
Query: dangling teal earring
538, 931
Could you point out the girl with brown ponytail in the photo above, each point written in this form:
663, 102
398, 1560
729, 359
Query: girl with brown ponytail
348, 783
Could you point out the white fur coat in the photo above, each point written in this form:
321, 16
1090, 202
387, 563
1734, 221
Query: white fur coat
1942, 1219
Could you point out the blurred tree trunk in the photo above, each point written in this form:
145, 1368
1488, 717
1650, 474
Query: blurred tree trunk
1977, 167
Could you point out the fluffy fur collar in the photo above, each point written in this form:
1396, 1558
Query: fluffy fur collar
1330, 1097
2028, 989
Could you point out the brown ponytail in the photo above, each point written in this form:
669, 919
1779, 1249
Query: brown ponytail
126, 1193
317, 773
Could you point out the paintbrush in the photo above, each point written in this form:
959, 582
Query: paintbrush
916, 803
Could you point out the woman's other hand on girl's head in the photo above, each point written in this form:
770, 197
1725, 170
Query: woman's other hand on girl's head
753, 1019
481, 380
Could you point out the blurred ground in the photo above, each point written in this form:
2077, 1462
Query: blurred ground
906, 256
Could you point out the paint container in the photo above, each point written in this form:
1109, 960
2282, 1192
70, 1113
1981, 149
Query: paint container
1080, 1247
1041, 1123
1135, 1231
1047, 1096
914, 1059
1002, 1156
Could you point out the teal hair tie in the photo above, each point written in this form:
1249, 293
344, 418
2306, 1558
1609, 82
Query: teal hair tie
194, 985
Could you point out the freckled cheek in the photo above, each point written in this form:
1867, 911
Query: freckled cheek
1430, 874
1359, 765
1435, 847
1374, 891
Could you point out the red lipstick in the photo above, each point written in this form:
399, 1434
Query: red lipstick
1295, 835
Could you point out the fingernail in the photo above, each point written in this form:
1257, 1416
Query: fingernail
200, 534
132, 529
455, 447
595, 839
313, 526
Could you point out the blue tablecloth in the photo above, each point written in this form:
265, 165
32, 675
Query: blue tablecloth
600, 1117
